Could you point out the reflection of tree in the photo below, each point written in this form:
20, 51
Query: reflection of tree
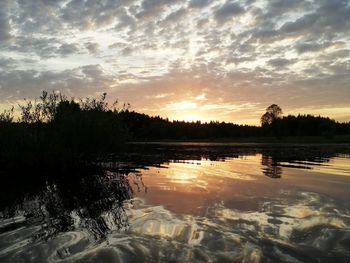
271, 167
91, 200
274, 160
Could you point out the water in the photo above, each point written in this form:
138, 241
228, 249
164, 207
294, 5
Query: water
185, 203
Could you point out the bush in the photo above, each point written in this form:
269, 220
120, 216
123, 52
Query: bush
55, 128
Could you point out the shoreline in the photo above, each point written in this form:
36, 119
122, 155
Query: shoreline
252, 141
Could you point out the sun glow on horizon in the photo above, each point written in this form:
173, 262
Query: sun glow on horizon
190, 118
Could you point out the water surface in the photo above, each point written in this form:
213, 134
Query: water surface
187, 203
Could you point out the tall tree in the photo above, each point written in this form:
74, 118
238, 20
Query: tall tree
272, 113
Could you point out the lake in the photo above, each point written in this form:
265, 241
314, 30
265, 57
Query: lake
189, 202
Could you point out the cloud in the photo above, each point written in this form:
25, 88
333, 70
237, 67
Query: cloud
45, 47
42, 46
280, 62
5, 28
227, 11
93, 48
81, 81
305, 47
234, 52
125, 20
175, 17
301, 24
87, 15
152, 8
7, 63
198, 3
281, 5
68, 49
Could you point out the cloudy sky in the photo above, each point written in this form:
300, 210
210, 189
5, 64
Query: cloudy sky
182, 59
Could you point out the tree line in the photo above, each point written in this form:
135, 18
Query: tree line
55, 129
274, 124
54, 125
144, 127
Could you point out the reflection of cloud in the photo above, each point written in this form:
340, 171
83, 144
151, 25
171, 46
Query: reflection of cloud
273, 232
241, 221
159, 222
238, 235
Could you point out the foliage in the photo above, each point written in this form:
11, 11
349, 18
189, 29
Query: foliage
305, 125
55, 127
273, 112
6, 116
143, 127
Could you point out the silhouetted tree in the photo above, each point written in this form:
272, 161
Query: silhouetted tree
272, 113
6, 116
54, 127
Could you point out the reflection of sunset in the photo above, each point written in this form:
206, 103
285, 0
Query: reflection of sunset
240, 183
175, 131
183, 177
189, 186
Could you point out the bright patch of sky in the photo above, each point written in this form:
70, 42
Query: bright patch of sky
162, 55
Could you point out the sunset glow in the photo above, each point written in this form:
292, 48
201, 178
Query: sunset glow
175, 131
183, 60
190, 118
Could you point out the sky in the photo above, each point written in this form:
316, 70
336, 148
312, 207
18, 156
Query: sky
182, 59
